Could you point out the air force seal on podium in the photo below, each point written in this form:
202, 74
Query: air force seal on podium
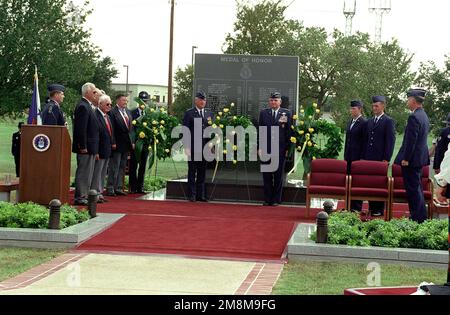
41, 143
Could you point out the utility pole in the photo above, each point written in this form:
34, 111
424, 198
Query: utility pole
379, 7
172, 15
126, 85
193, 54
349, 13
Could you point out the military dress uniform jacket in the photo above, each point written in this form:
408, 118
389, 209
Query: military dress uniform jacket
285, 131
15, 147
51, 114
414, 148
380, 139
188, 121
355, 140
441, 148
85, 129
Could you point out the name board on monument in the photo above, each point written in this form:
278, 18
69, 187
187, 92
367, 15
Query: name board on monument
247, 81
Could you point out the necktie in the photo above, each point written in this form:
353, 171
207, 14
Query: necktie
376, 120
274, 115
108, 125
353, 123
125, 116
201, 114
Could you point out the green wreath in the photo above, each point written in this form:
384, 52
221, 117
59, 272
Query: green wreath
305, 139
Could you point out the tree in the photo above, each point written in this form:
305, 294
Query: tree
258, 29
51, 35
334, 69
184, 82
437, 83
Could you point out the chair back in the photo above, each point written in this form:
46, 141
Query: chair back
398, 177
370, 174
328, 172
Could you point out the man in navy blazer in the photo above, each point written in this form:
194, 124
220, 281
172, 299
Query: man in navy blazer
122, 126
193, 147
85, 141
413, 154
380, 142
105, 147
355, 141
281, 118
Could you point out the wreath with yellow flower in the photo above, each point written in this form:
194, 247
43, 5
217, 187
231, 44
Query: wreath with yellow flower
314, 138
226, 118
153, 130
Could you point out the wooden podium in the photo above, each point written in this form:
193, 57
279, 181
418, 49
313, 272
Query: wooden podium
45, 153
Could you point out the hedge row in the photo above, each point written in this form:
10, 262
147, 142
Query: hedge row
346, 228
33, 216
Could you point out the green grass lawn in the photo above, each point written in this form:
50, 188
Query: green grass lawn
14, 261
332, 278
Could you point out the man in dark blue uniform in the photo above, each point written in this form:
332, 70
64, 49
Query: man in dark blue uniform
380, 142
442, 146
52, 114
413, 154
138, 164
355, 141
281, 119
15, 148
197, 116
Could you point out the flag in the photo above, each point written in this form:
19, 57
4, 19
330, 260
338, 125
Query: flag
34, 115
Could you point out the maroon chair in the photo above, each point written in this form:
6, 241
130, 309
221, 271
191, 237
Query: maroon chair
328, 179
398, 194
369, 180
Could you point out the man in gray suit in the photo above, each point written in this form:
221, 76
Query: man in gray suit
122, 127
85, 142
106, 145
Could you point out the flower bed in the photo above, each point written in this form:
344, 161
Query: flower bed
33, 216
346, 228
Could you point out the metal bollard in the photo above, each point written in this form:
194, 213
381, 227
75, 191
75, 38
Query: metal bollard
92, 203
322, 228
55, 214
328, 206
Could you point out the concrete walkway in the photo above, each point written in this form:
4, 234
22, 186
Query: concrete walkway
75, 273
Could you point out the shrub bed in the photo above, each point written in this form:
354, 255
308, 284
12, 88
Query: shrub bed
33, 216
346, 228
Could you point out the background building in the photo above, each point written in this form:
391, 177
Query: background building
159, 92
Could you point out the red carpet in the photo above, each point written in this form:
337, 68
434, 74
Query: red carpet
198, 229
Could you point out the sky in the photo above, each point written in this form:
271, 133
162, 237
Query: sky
136, 32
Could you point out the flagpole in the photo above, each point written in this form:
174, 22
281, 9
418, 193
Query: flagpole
38, 100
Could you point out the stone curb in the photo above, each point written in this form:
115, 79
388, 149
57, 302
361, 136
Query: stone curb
65, 238
300, 247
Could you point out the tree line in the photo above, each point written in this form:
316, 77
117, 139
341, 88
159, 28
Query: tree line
334, 68
52, 36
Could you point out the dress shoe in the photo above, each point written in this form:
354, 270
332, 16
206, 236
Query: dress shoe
141, 192
267, 204
191, 199
100, 201
132, 192
81, 202
275, 204
202, 199
120, 193
111, 194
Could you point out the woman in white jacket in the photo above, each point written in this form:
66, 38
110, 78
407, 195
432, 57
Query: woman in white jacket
443, 178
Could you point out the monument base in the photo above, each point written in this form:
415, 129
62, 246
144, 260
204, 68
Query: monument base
293, 194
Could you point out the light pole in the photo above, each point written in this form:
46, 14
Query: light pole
193, 49
126, 86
